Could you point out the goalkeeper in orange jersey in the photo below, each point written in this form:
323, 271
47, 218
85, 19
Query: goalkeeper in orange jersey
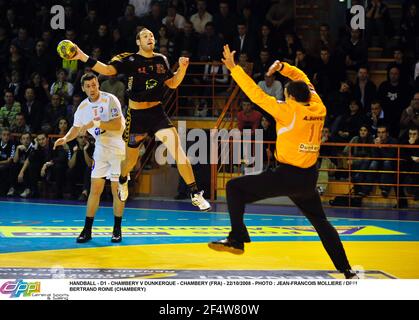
299, 122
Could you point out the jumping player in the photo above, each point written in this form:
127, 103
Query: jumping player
148, 72
299, 122
101, 115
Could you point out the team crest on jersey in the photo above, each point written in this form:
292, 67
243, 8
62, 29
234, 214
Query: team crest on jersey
150, 84
114, 112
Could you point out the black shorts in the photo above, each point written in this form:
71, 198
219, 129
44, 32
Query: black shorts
144, 122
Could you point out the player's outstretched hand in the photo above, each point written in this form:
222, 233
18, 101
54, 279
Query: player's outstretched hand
80, 55
276, 66
183, 62
228, 58
60, 142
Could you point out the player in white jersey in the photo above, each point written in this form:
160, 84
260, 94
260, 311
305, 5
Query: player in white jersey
101, 115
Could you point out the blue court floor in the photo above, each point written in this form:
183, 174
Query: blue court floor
168, 238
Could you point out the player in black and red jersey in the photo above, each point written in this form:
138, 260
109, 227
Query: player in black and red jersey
148, 72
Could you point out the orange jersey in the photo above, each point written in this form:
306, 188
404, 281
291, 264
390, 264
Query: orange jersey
298, 126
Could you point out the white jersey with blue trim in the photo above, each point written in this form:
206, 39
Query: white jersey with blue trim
106, 108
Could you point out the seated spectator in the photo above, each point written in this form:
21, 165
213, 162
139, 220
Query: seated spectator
23, 41
32, 110
364, 89
187, 39
401, 62
243, 42
325, 164
395, 97
324, 40
248, 118
126, 24
350, 123
41, 62
262, 65
225, 23
21, 154
287, 49
163, 39
383, 138
272, 87
410, 117
153, 20
20, 125
410, 164
266, 40
40, 87
61, 86
9, 111
210, 44
328, 74
72, 108
201, 18
364, 137
101, 40
409, 29
281, 15
337, 103
378, 22
7, 151
16, 60
269, 138
15, 85
354, 50
80, 165
45, 163
62, 127
55, 110
216, 80
174, 21
376, 117
305, 62
115, 86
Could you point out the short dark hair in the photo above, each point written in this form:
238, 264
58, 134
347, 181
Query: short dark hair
141, 30
376, 101
86, 77
382, 126
299, 90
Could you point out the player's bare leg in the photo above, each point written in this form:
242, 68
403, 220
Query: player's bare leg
96, 190
170, 138
131, 158
118, 210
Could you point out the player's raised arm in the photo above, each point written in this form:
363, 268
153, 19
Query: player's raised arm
249, 87
292, 73
99, 67
176, 80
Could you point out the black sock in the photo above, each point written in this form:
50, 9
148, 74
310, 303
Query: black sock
193, 188
122, 179
89, 223
117, 223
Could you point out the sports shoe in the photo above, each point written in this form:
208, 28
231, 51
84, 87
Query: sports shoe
85, 235
116, 236
11, 192
199, 201
26, 193
123, 191
228, 245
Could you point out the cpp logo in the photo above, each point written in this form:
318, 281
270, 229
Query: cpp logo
19, 287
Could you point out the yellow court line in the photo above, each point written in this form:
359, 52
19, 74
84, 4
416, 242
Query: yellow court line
400, 259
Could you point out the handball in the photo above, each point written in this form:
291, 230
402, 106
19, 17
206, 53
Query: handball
66, 49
